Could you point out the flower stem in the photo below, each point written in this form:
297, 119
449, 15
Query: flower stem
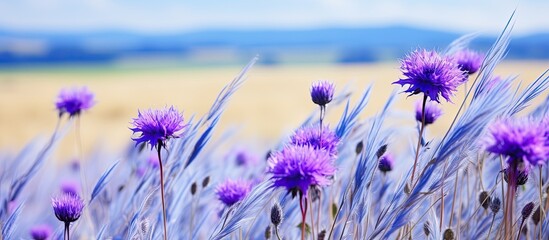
303, 207
491, 225
520, 228
276, 232
67, 230
159, 148
511, 189
419, 138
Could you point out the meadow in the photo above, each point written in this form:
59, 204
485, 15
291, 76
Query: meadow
270, 152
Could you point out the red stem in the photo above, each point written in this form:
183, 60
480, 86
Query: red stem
159, 147
419, 139
303, 208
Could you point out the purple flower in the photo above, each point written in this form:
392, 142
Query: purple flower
41, 232
74, 100
68, 207
300, 167
157, 126
245, 158
233, 191
322, 92
386, 163
521, 140
430, 73
311, 136
70, 186
432, 112
468, 61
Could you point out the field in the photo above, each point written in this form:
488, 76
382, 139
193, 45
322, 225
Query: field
269, 105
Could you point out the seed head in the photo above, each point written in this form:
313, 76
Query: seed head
205, 181
495, 205
484, 199
527, 210
276, 215
448, 234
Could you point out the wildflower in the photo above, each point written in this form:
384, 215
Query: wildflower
299, 167
233, 191
70, 186
522, 141
157, 126
312, 136
468, 61
432, 112
430, 73
73, 101
322, 92
244, 158
386, 163
41, 232
68, 207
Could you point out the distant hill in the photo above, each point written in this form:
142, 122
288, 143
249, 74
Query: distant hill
277, 46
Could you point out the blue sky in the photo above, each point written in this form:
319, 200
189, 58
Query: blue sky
164, 16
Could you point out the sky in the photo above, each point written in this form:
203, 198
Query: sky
167, 16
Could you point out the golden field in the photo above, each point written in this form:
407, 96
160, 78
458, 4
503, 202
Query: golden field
273, 100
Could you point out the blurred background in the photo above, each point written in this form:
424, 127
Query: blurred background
141, 54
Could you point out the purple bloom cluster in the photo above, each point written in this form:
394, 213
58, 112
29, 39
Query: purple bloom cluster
73, 101
299, 167
468, 61
521, 140
157, 126
233, 191
68, 207
430, 73
41, 232
312, 136
245, 158
432, 112
322, 92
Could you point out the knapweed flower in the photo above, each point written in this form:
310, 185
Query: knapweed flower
233, 191
70, 186
68, 207
297, 168
73, 101
41, 232
157, 126
432, 112
521, 140
386, 163
245, 158
311, 136
430, 73
468, 61
322, 92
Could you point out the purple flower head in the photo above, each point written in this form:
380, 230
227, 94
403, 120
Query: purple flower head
386, 163
432, 112
521, 140
300, 167
311, 136
41, 232
430, 73
68, 207
245, 158
233, 191
322, 92
157, 126
468, 61
70, 186
73, 101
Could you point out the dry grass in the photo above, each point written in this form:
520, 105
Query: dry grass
272, 102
